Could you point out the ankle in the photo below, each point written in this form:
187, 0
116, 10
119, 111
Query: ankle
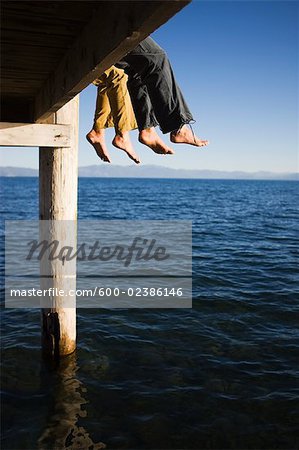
147, 130
180, 130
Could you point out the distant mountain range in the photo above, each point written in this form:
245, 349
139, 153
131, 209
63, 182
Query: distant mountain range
150, 171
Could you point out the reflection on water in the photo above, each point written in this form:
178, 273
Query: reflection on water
62, 430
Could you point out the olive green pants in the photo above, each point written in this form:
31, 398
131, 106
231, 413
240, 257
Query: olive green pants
113, 106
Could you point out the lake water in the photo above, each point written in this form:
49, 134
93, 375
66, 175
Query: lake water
222, 375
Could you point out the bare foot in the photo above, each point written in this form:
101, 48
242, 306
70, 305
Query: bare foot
97, 140
185, 136
123, 142
151, 139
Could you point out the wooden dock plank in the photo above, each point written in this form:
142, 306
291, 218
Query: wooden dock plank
34, 135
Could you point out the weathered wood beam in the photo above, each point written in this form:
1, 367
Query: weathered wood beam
114, 30
34, 135
58, 186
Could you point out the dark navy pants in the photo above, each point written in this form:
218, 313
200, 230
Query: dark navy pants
155, 95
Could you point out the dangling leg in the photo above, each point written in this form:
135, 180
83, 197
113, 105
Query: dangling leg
167, 98
149, 62
122, 112
102, 120
145, 117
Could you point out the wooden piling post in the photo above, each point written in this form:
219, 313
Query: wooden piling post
58, 183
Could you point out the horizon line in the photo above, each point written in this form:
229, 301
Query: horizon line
164, 168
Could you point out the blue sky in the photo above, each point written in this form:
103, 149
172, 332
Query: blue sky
237, 65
